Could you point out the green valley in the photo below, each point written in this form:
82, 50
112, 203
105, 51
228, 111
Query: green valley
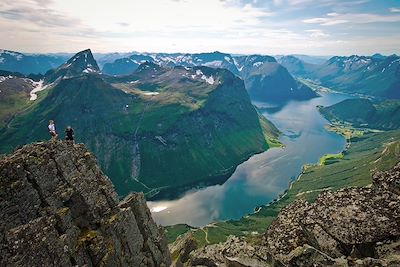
159, 130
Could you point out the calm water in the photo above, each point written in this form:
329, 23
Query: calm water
260, 179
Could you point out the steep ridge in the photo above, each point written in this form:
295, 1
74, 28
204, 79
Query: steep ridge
58, 209
350, 227
81, 63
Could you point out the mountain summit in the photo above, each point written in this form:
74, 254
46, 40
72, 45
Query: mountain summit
81, 63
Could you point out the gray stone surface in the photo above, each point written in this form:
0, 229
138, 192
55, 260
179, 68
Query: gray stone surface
58, 209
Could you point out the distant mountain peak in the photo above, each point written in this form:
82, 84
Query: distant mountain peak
148, 66
80, 64
378, 56
84, 61
18, 56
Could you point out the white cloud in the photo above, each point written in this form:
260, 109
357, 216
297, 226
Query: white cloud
394, 9
36, 12
354, 18
317, 33
179, 26
326, 3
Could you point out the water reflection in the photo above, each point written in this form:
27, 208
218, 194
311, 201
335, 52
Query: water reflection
261, 178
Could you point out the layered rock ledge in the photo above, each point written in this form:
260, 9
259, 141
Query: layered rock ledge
58, 209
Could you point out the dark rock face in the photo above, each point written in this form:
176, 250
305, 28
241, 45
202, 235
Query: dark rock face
58, 209
355, 226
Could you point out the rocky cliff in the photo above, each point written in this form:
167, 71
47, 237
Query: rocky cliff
350, 227
58, 209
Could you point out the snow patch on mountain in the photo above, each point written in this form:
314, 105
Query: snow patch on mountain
3, 78
238, 66
151, 93
89, 70
215, 63
209, 80
257, 64
37, 87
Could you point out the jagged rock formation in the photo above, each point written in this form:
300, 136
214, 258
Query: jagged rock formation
58, 209
350, 227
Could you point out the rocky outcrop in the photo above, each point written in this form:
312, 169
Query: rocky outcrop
350, 227
181, 248
235, 252
354, 226
58, 209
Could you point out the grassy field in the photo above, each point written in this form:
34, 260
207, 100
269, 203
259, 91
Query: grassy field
330, 158
367, 154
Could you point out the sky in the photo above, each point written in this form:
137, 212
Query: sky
274, 27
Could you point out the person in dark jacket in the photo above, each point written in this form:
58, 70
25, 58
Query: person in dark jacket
69, 134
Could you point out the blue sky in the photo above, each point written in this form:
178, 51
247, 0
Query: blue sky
323, 27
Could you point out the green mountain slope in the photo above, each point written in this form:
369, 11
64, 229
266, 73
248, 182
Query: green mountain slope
183, 127
384, 115
15, 91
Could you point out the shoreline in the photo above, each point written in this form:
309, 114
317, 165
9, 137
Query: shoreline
218, 179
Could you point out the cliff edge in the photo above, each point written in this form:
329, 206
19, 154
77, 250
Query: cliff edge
58, 209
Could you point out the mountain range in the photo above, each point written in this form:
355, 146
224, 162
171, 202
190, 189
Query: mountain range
29, 63
376, 75
159, 129
265, 78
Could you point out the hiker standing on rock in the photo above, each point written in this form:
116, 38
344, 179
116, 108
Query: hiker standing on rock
52, 130
69, 134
